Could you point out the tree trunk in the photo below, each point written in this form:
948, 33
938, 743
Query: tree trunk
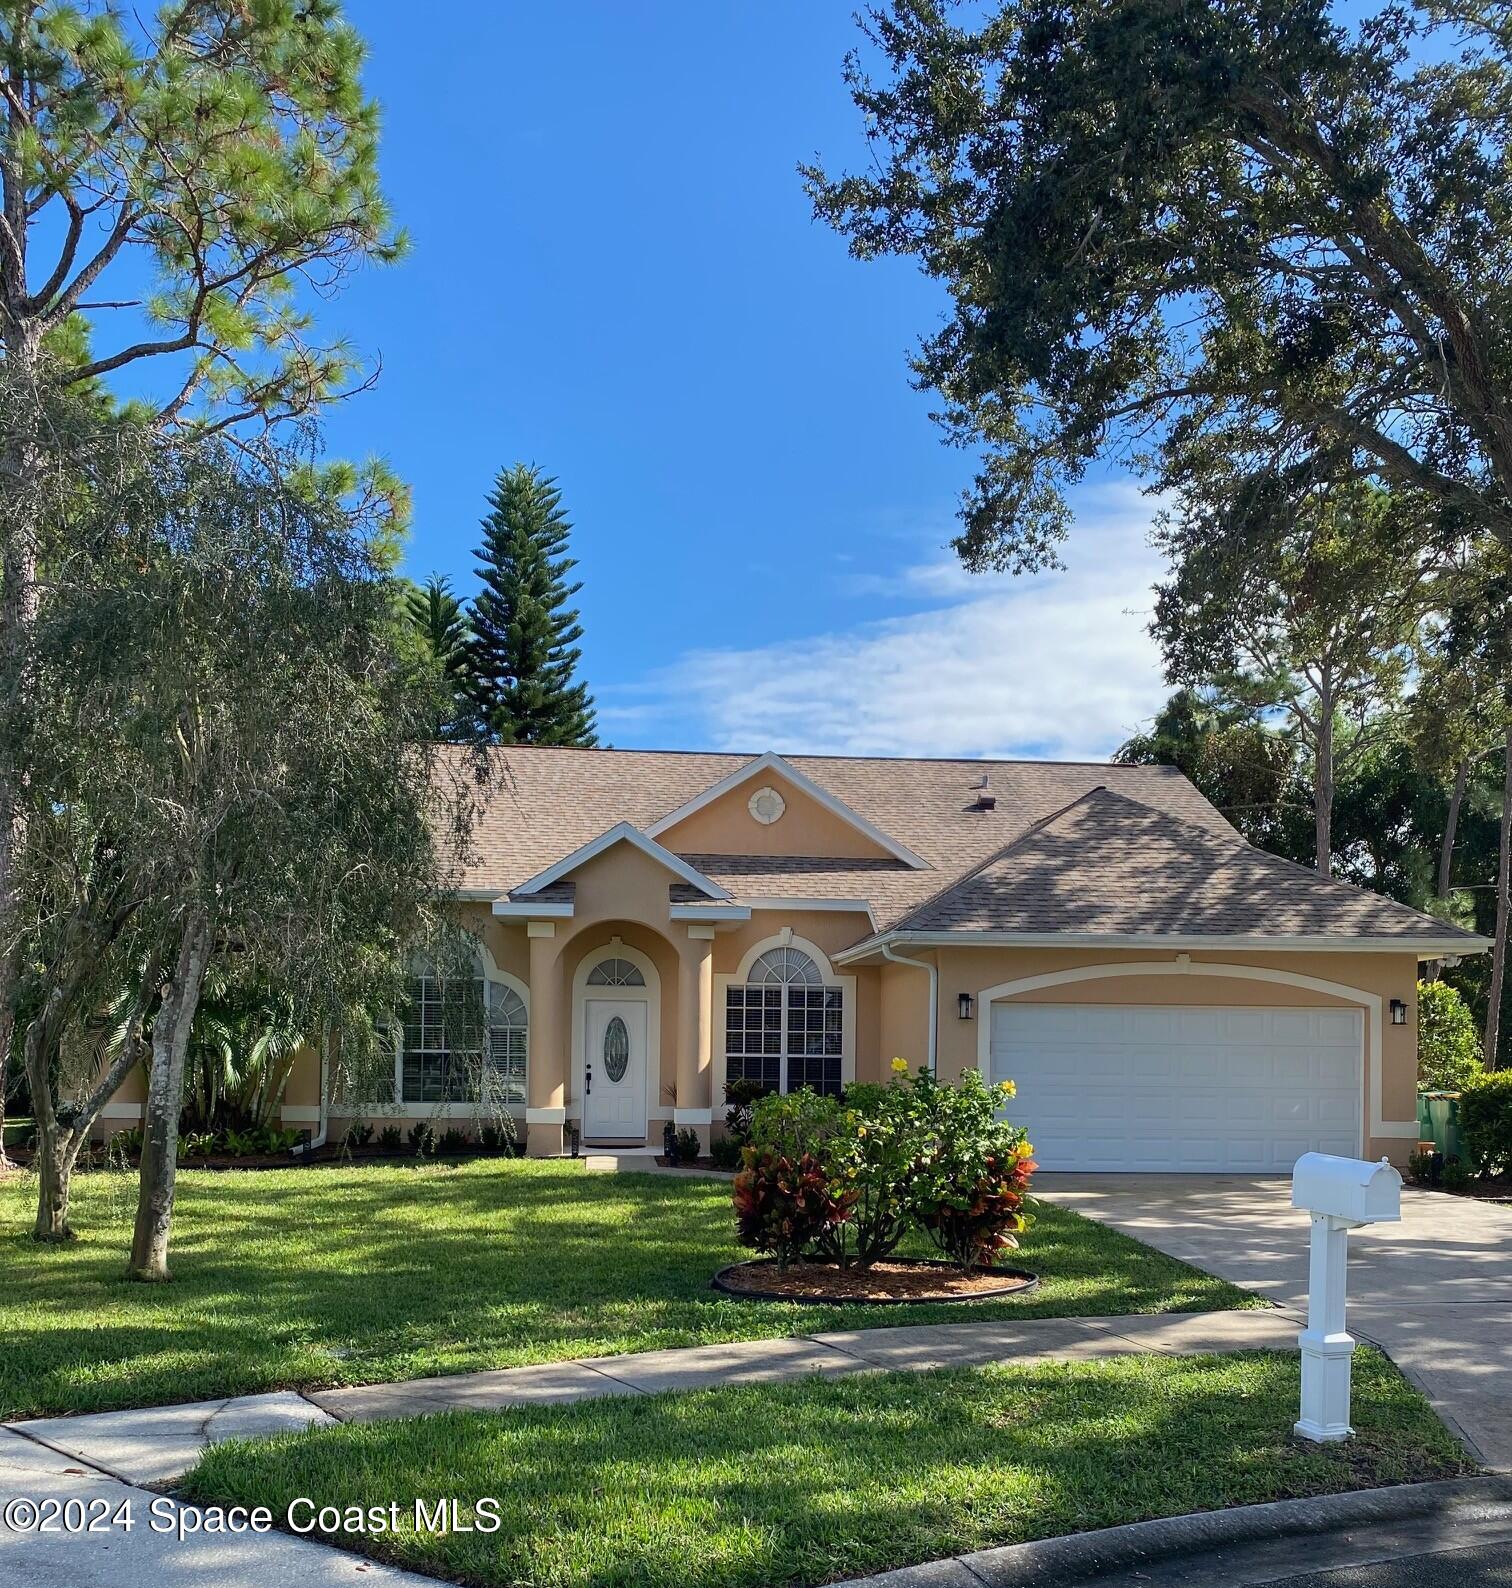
165, 1098
1451, 825
1323, 792
1503, 908
55, 1161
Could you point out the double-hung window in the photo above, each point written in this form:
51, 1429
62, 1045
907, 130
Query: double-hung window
464, 1040
784, 1027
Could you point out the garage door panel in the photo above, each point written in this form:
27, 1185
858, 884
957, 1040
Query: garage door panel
1196, 1089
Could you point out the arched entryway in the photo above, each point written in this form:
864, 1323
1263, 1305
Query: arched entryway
616, 1041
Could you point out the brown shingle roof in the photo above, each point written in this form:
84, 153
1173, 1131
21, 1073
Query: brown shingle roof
1111, 865
1148, 850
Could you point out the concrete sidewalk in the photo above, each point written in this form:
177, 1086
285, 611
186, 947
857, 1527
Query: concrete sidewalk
156, 1444
150, 1555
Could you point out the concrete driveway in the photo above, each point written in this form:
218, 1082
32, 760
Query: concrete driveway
1435, 1290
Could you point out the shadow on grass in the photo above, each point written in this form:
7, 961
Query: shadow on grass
324, 1277
799, 1483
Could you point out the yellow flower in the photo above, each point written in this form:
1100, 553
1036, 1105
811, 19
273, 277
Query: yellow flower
900, 1066
861, 1131
1008, 1089
1025, 1149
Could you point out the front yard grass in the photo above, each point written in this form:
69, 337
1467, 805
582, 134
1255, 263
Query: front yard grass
801, 1483
318, 1277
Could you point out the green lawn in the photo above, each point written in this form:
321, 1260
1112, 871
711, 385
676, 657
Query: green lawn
801, 1483
309, 1277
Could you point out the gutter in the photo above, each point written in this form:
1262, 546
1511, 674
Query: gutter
1423, 947
934, 998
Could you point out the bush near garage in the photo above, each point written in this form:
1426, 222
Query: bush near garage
1485, 1116
845, 1180
1449, 1044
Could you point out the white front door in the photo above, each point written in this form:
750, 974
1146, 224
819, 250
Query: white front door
1176, 1088
614, 1069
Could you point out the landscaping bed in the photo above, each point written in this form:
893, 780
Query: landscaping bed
892, 1282
802, 1483
366, 1273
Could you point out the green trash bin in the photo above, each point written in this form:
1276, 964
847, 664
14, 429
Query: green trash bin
1442, 1109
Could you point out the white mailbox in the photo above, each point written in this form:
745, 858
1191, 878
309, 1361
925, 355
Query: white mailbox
1341, 1194
1347, 1188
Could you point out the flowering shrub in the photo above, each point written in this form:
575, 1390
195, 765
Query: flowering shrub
968, 1190
846, 1180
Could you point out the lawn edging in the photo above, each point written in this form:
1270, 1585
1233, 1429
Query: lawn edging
1068, 1560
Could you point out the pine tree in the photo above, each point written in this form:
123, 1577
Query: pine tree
441, 626
524, 635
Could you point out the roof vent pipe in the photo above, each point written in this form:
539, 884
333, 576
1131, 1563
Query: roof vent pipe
986, 800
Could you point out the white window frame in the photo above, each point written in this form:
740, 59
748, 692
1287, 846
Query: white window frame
489, 971
846, 985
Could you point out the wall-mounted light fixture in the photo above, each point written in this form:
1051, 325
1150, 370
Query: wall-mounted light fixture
1398, 1012
965, 1006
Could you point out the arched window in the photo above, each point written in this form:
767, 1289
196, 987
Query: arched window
784, 1027
464, 1038
616, 973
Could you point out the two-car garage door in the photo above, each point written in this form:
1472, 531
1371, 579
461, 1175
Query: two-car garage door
1163, 1088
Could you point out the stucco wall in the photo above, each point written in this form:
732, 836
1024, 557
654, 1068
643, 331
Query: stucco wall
725, 826
1387, 976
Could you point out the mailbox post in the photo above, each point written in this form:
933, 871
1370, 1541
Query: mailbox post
1341, 1194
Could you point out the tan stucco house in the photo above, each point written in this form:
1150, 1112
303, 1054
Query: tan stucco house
1166, 997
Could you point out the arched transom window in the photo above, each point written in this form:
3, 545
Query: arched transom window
464, 1038
784, 1027
616, 973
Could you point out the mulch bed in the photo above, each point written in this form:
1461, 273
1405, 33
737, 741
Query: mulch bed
898, 1280
1497, 1188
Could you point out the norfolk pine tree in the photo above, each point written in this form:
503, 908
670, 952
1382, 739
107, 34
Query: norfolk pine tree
524, 647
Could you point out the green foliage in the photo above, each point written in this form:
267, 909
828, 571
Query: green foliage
421, 1139
1162, 226
1485, 1116
846, 1180
524, 651
358, 1136
689, 1148
1449, 1045
1217, 736
217, 157
444, 635
389, 1138
968, 1188
724, 1152
452, 1143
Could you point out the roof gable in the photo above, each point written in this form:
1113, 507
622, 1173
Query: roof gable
698, 829
620, 833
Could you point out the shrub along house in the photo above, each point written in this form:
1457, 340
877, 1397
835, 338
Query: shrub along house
651, 925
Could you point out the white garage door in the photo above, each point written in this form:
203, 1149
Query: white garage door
1137, 1087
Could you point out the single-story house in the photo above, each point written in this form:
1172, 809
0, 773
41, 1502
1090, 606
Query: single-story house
652, 925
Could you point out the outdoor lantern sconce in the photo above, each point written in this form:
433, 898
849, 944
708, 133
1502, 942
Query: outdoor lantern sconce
966, 1006
1398, 1012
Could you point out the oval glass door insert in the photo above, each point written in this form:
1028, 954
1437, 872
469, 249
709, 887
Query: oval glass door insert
616, 1049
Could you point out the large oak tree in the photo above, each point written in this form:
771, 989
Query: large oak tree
1155, 218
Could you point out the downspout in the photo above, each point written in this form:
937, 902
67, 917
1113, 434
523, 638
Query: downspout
934, 999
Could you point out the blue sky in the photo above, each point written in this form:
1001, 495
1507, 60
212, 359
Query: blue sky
615, 275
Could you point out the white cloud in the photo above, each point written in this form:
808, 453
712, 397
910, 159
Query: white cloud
1056, 665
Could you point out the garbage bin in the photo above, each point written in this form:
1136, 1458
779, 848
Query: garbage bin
1442, 1109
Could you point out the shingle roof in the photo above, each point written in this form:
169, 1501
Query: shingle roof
1162, 842
1108, 865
